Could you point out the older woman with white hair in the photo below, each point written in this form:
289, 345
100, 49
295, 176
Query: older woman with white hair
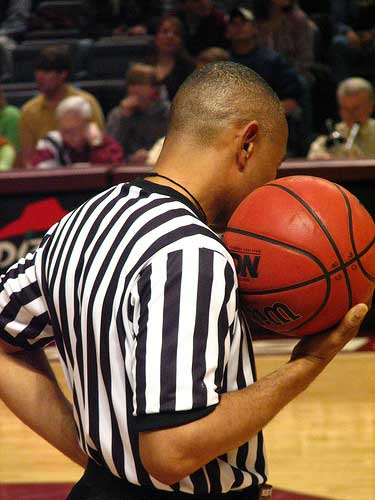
76, 141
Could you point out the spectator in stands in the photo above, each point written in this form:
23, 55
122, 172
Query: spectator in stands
142, 116
246, 49
9, 121
353, 49
73, 142
14, 15
354, 136
171, 60
52, 69
204, 25
284, 27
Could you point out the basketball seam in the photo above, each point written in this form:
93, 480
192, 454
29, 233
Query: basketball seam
326, 273
351, 233
325, 231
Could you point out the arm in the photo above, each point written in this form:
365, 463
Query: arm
27, 385
30, 390
171, 454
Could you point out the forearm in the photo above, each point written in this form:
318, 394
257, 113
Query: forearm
171, 454
238, 417
30, 390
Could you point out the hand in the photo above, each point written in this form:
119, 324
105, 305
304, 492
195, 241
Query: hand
322, 347
320, 155
94, 134
129, 105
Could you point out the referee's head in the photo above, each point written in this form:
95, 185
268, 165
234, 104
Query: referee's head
222, 94
227, 125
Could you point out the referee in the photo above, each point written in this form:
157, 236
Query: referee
141, 298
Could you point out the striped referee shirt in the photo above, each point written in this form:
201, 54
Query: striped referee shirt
141, 299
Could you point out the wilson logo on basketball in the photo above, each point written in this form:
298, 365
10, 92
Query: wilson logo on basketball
277, 314
246, 265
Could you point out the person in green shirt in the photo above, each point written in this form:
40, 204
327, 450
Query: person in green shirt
9, 121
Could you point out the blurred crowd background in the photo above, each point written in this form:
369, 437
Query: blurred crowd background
91, 82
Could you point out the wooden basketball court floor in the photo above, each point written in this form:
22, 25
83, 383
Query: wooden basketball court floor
321, 444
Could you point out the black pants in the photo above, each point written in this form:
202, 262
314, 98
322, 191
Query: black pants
99, 484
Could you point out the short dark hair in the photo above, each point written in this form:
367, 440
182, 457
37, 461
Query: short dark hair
141, 74
220, 95
54, 58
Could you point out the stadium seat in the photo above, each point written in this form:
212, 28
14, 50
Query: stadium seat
107, 92
110, 57
25, 54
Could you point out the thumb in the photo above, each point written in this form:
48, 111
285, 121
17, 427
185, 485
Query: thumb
354, 317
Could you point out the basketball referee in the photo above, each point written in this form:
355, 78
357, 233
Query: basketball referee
141, 298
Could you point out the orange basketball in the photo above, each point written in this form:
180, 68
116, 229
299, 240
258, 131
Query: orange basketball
304, 252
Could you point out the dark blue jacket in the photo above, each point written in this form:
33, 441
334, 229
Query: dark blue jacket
275, 70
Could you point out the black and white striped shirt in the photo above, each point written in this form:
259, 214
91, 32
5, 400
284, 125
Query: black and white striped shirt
141, 299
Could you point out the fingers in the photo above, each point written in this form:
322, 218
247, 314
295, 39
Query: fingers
324, 346
354, 317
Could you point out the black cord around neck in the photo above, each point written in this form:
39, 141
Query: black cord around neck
199, 206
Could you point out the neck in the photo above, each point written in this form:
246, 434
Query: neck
205, 171
57, 95
177, 186
166, 58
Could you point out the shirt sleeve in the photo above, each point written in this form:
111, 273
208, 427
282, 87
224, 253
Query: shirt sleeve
184, 305
24, 320
45, 155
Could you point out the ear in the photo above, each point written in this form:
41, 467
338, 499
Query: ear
246, 144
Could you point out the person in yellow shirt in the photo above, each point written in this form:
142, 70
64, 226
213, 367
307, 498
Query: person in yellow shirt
52, 69
354, 136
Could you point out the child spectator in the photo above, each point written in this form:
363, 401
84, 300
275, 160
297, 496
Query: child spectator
142, 116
